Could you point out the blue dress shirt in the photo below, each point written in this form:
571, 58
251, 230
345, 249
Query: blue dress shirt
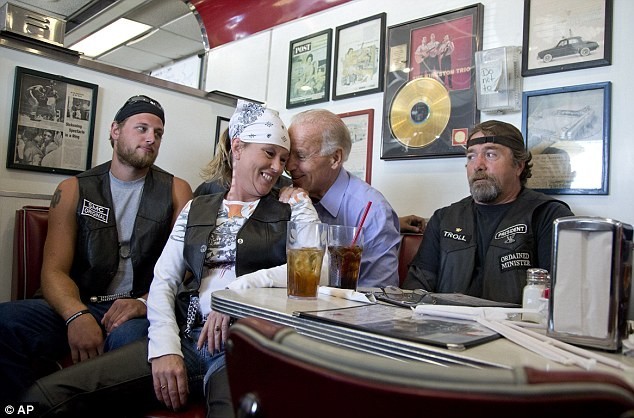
344, 204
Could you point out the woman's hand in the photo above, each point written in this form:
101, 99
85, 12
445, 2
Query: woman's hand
214, 332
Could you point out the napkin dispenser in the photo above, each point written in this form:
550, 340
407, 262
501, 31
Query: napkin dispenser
590, 281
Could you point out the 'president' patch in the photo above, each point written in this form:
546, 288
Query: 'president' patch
95, 211
508, 234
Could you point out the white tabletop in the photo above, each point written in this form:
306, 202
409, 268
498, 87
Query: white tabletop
274, 305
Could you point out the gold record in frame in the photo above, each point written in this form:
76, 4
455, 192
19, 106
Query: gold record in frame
420, 112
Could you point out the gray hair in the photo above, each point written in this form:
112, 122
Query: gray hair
334, 133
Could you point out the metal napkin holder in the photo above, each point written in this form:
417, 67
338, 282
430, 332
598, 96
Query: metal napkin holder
591, 281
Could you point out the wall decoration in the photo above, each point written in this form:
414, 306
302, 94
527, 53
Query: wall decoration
52, 123
359, 58
430, 95
309, 70
567, 130
566, 35
222, 124
361, 125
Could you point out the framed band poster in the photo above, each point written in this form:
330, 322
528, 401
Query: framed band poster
430, 95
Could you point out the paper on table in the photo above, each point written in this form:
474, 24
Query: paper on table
468, 312
347, 294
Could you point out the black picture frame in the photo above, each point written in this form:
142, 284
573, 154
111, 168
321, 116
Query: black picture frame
566, 35
430, 101
359, 57
52, 123
567, 130
222, 123
309, 70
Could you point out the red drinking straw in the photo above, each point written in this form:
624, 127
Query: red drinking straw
365, 213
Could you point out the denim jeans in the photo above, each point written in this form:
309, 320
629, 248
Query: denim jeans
31, 332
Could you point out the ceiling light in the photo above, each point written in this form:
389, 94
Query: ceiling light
109, 37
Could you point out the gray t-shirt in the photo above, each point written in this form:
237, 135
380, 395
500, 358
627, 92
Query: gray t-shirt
126, 196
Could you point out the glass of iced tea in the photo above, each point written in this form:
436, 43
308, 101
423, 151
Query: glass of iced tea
345, 257
305, 247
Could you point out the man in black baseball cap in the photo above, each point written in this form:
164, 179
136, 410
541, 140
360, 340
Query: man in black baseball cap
107, 228
140, 104
483, 244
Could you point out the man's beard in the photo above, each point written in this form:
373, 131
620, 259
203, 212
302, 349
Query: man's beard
486, 190
128, 156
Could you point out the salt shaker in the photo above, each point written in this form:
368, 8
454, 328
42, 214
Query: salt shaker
537, 281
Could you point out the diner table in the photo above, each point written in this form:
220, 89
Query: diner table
274, 305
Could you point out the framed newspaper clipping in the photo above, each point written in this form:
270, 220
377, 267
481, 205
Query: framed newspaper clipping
52, 123
430, 94
360, 124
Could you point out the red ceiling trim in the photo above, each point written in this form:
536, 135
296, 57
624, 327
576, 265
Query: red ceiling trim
229, 20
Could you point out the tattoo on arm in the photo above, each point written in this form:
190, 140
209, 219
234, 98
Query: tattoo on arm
57, 196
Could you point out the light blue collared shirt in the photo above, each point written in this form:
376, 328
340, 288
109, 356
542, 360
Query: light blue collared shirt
344, 204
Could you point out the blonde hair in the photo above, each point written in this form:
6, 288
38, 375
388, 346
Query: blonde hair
220, 168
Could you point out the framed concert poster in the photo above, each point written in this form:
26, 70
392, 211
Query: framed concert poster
360, 124
430, 95
309, 70
52, 123
567, 130
566, 35
359, 58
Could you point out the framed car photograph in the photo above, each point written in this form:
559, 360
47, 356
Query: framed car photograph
567, 130
430, 89
359, 58
566, 35
361, 125
309, 70
52, 123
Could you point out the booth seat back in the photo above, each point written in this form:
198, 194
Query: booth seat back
31, 225
406, 253
276, 372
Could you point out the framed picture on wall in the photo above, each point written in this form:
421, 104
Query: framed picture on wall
52, 123
566, 35
430, 95
359, 58
567, 130
309, 70
361, 125
222, 124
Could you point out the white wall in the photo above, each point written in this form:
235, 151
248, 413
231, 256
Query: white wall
422, 185
187, 144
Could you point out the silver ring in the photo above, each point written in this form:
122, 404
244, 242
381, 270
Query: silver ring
163, 386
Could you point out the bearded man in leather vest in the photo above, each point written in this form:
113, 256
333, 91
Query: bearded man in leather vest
106, 228
483, 244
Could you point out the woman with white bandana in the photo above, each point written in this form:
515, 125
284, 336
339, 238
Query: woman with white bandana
215, 239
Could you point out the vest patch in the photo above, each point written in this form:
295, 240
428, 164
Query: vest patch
508, 234
456, 236
95, 211
514, 261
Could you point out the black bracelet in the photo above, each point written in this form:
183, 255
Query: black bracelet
76, 315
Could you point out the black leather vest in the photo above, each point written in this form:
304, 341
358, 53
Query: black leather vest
97, 248
511, 251
260, 243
